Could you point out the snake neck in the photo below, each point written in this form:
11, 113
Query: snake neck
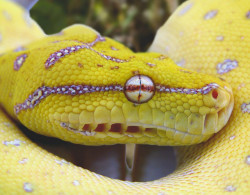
28, 29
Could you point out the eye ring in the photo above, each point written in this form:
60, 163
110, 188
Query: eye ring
139, 89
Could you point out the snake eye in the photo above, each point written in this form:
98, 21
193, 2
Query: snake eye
139, 89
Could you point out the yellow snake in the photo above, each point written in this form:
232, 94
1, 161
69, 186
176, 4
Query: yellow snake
88, 89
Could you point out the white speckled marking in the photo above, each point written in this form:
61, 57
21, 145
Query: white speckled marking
230, 188
20, 48
211, 14
248, 159
181, 63
185, 9
43, 92
23, 161
245, 107
61, 162
232, 137
76, 183
54, 57
150, 64
15, 142
113, 48
220, 38
204, 90
19, 61
97, 175
27, 187
248, 15
226, 66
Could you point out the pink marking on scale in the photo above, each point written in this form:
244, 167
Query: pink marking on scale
248, 15
211, 14
150, 64
226, 66
245, 107
204, 90
113, 48
68, 50
43, 92
108, 57
19, 61
20, 48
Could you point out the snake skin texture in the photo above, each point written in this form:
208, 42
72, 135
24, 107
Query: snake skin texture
214, 37
39, 88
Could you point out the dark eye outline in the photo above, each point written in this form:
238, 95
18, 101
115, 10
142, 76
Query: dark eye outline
150, 89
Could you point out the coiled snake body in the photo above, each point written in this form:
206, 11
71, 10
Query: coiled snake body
85, 88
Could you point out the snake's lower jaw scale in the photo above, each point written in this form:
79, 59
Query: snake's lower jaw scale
135, 133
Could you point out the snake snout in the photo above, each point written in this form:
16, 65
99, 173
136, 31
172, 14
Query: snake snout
220, 101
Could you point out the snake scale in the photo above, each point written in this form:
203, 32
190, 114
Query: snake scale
85, 88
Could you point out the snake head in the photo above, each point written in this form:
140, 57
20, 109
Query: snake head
89, 89
167, 102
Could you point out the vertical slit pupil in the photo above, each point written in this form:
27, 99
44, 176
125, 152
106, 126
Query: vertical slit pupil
139, 95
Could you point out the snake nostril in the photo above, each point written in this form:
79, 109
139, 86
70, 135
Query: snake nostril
215, 94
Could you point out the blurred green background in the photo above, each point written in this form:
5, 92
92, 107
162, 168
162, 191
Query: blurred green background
133, 23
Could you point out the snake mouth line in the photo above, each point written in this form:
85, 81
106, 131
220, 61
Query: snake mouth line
195, 129
135, 130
